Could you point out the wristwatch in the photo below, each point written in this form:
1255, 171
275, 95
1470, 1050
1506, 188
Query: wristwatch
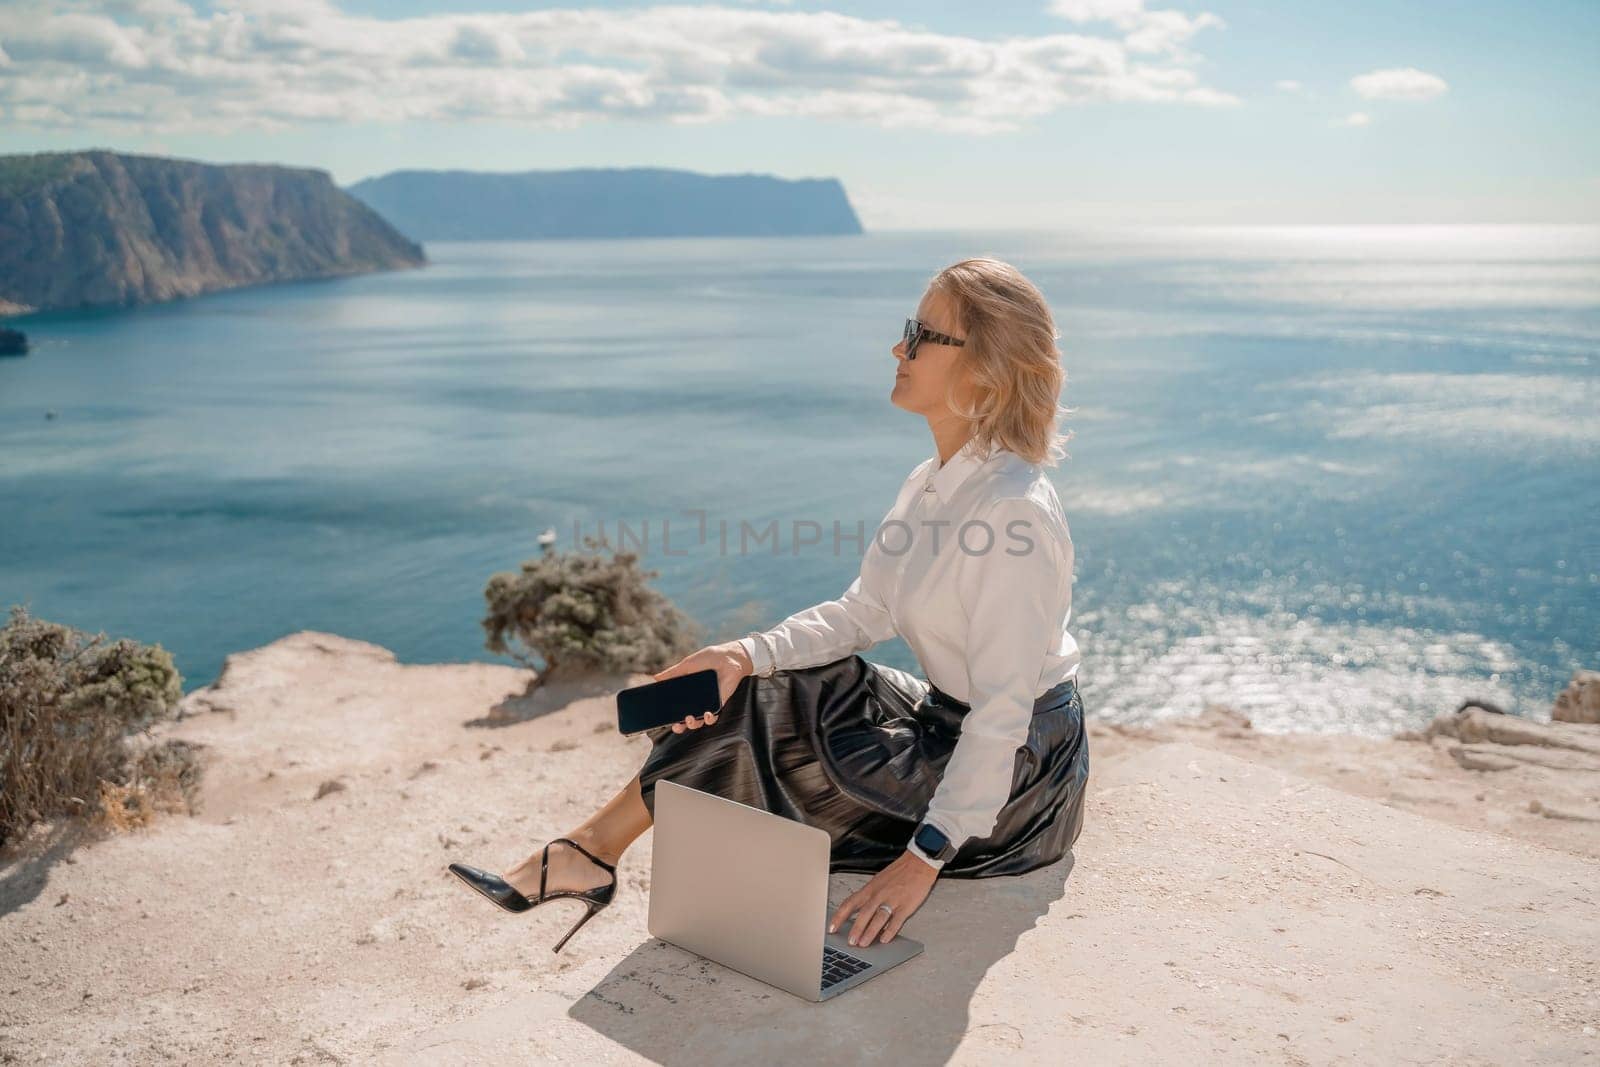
932, 843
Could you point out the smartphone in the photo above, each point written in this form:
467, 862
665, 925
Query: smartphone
664, 703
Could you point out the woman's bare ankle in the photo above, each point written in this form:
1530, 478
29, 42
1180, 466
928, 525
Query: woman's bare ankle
606, 850
567, 869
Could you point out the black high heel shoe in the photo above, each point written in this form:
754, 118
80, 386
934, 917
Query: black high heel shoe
506, 895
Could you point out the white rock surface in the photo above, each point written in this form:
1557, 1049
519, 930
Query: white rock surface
1217, 908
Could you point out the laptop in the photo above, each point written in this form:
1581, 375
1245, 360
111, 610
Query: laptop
749, 890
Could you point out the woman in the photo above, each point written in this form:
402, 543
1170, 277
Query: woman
980, 769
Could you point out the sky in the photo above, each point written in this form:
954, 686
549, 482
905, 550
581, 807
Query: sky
934, 115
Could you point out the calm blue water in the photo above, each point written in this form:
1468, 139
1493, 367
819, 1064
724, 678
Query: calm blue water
1339, 478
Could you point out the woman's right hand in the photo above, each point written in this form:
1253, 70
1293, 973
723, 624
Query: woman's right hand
730, 663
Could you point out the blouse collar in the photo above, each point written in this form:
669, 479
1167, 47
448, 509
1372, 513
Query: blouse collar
944, 481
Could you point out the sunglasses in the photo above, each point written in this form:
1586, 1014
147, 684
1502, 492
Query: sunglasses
916, 333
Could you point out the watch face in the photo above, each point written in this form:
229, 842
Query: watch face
932, 841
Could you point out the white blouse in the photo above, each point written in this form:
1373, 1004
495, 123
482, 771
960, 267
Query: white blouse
973, 567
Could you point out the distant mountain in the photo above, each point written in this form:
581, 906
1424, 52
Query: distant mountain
83, 229
459, 205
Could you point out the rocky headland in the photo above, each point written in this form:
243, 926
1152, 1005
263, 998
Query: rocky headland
106, 229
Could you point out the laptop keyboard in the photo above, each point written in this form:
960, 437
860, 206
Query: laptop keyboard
837, 966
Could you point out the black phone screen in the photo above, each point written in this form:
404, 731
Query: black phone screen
663, 703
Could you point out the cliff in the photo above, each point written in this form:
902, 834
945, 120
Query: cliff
1236, 896
100, 228
631, 202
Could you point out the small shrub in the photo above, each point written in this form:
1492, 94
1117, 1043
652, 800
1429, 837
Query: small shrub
585, 612
71, 709
164, 777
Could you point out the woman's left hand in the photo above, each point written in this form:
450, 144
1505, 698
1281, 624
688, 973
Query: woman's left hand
903, 885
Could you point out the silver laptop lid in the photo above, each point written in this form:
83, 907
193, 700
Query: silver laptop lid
741, 886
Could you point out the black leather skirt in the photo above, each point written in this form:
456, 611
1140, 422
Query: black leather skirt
858, 749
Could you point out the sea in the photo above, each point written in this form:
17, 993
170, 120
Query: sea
1338, 478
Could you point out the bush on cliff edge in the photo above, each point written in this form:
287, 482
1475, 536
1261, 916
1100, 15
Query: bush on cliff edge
585, 613
71, 711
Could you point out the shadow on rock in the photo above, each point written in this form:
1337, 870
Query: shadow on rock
671, 1006
25, 865
554, 695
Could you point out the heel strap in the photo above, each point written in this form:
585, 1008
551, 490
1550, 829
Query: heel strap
568, 841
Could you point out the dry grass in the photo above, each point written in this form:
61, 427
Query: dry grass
74, 711
165, 778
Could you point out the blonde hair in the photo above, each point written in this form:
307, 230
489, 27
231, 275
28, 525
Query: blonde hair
1011, 359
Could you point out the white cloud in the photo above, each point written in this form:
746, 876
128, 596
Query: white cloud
73, 37
1123, 13
152, 8
480, 41
1398, 83
1355, 118
1148, 32
1168, 31
162, 66
1288, 85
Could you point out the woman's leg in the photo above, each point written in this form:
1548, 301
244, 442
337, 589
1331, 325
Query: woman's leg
607, 833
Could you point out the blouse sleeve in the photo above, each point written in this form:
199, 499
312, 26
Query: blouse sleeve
857, 620
1010, 597
831, 630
